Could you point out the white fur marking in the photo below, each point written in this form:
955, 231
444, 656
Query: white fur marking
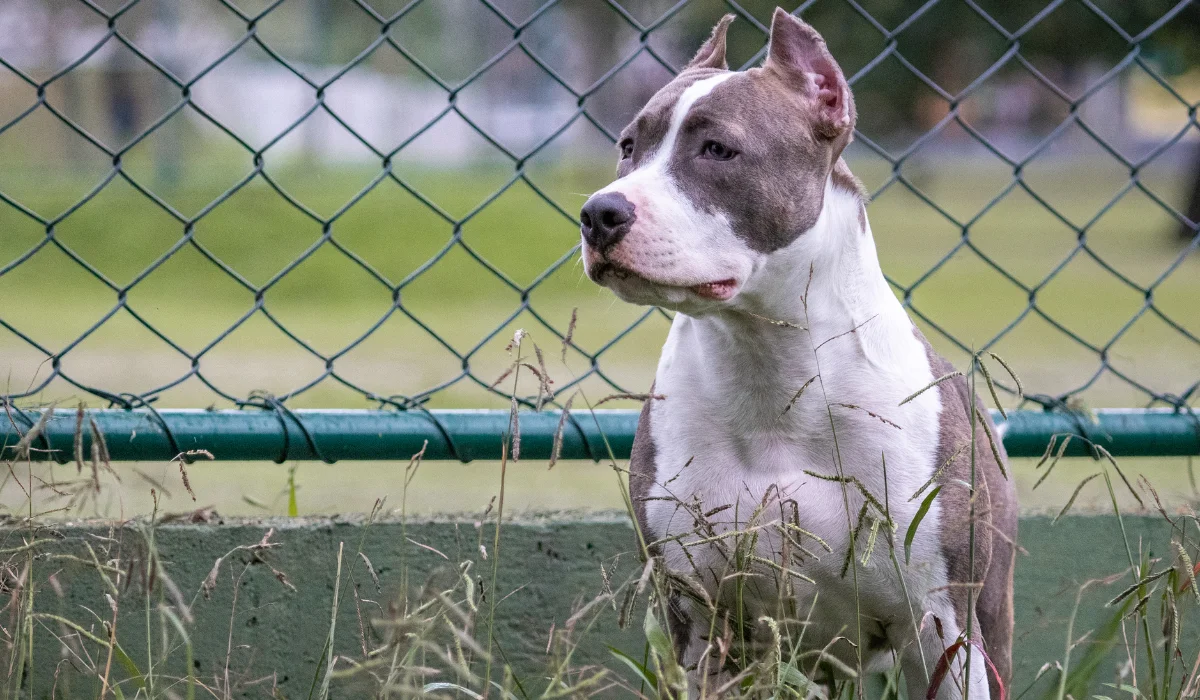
686, 101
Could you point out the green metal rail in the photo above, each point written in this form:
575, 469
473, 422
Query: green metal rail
333, 435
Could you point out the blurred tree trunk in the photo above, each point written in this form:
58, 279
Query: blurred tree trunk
1186, 233
595, 35
120, 88
318, 42
168, 146
74, 149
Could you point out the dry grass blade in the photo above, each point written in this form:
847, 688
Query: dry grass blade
1174, 627
808, 285
1074, 495
1111, 460
1191, 471
586, 608
626, 609
183, 458
987, 378
845, 333
544, 389
876, 416
647, 572
1134, 588
991, 442
1049, 450
504, 375
155, 483
99, 442
514, 418
371, 571
941, 470
414, 464
782, 569
543, 384
556, 450
331, 659
1158, 504
1062, 448
792, 527
775, 322
857, 484
264, 543
210, 582
514, 428
930, 385
630, 397
78, 441
566, 341
871, 538
1011, 373
282, 578
724, 688
431, 549
25, 444
95, 465
1191, 570
173, 591
799, 393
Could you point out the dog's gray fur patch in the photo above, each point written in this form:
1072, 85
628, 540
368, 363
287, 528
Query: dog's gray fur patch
995, 517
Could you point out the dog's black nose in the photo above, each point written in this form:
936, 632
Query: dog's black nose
605, 219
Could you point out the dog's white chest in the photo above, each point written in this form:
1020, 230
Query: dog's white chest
732, 456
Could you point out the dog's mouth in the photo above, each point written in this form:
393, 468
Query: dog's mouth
719, 290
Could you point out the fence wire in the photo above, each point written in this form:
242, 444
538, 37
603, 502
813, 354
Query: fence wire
889, 28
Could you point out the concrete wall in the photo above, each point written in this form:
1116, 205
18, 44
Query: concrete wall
548, 567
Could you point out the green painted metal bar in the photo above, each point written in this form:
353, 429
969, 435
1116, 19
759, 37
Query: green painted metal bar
465, 435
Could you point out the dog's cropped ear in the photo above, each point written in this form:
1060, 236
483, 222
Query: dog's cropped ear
712, 54
799, 55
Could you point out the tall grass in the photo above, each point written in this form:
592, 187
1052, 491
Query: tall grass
435, 635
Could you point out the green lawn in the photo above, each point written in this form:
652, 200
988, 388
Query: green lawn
329, 301
250, 489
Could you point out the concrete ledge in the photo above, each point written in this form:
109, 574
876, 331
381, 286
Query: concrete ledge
548, 566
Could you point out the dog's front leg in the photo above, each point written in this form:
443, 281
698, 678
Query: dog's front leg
705, 677
697, 649
920, 669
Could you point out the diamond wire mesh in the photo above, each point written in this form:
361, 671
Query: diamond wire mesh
1132, 56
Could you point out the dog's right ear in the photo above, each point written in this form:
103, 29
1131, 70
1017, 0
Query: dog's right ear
799, 54
712, 54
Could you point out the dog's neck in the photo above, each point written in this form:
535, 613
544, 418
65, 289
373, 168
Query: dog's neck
834, 263
829, 283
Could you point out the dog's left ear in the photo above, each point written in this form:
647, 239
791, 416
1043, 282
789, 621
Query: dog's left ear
712, 53
799, 55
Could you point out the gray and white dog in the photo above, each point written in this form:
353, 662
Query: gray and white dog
784, 379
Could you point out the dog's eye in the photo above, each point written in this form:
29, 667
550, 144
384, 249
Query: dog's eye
626, 147
717, 151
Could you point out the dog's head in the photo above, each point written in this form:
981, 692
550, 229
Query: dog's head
719, 170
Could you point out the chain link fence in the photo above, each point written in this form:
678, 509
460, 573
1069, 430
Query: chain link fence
322, 203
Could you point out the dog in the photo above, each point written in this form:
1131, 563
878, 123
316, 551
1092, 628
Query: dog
788, 398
